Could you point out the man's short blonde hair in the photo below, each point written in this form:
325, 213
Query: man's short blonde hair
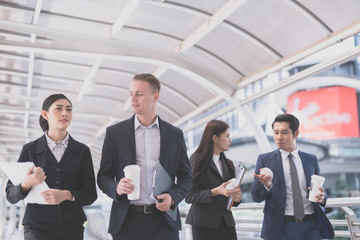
151, 79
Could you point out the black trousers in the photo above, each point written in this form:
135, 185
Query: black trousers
140, 226
54, 231
308, 230
223, 232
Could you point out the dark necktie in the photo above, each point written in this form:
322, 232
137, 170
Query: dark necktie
297, 198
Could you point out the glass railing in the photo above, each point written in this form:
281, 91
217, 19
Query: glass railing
343, 214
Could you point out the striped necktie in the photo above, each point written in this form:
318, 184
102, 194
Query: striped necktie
299, 212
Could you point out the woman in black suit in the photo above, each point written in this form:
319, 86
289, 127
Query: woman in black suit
66, 166
208, 214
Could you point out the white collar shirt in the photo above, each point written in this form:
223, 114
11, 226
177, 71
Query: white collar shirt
289, 207
147, 145
216, 159
57, 148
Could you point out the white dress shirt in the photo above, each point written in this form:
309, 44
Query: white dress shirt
216, 159
57, 148
147, 145
289, 207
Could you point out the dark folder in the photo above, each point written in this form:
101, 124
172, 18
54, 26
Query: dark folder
162, 183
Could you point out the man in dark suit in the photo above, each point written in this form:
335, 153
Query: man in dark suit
288, 214
144, 140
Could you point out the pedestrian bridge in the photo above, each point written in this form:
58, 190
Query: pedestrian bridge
248, 216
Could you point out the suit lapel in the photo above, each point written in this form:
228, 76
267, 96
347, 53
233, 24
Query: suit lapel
279, 167
163, 134
225, 168
44, 153
71, 152
306, 166
130, 132
214, 168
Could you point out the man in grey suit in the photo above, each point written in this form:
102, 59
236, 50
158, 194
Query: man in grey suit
288, 214
144, 140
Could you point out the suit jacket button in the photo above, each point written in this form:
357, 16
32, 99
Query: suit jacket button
58, 170
57, 183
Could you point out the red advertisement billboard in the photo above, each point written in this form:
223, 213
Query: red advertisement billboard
326, 113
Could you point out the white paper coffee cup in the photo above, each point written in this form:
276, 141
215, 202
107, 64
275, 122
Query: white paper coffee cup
316, 182
133, 173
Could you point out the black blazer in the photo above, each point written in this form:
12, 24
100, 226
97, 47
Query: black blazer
74, 172
207, 211
119, 151
275, 199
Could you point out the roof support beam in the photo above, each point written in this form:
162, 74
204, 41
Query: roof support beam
85, 113
89, 79
115, 29
343, 33
309, 15
224, 12
63, 44
320, 67
123, 17
327, 64
30, 74
236, 29
72, 44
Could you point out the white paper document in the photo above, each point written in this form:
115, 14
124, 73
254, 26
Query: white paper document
16, 172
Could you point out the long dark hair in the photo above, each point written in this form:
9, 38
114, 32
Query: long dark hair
46, 105
206, 150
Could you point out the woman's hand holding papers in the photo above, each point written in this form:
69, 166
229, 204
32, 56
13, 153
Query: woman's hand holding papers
236, 196
33, 177
56, 196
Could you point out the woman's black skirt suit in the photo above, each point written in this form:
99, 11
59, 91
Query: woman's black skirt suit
207, 212
74, 172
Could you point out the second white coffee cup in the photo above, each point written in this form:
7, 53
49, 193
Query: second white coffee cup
133, 173
316, 182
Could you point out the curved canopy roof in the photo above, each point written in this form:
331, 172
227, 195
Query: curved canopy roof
202, 51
